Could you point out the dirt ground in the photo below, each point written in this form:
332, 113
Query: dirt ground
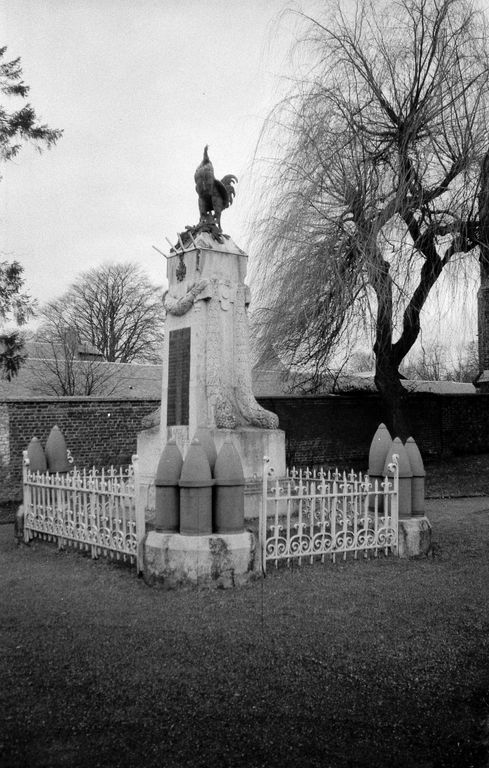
365, 663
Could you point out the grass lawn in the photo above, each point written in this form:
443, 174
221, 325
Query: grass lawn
369, 663
458, 476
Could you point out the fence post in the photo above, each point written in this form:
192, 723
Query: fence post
26, 491
140, 515
262, 523
394, 466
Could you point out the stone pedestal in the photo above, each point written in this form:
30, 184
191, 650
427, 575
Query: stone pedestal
219, 560
206, 358
207, 383
207, 369
414, 536
251, 443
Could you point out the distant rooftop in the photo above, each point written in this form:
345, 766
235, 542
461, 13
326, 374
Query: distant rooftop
125, 380
271, 377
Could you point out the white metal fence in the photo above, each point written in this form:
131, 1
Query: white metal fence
310, 515
93, 510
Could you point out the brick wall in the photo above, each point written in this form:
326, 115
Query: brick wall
338, 429
4, 436
483, 326
325, 429
98, 432
464, 423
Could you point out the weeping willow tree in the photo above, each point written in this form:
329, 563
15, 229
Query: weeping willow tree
374, 173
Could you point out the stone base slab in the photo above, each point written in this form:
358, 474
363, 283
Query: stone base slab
252, 445
218, 560
414, 537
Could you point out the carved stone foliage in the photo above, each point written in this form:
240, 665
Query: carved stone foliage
233, 405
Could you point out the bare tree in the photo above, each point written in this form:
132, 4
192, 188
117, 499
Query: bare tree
375, 174
116, 309
60, 371
437, 362
360, 361
466, 364
430, 364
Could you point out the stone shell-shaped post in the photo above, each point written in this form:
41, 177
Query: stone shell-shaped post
167, 491
229, 491
196, 492
56, 452
418, 483
381, 442
36, 456
405, 476
379, 449
203, 435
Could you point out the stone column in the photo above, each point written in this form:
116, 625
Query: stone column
206, 361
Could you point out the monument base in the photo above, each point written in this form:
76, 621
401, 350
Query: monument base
252, 444
414, 537
217, 560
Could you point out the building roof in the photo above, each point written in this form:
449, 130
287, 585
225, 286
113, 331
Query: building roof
42, 349
364, 382
270, 380
124, 380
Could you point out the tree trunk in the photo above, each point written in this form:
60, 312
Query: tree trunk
386, 364
483, 293
484, 221
393, 396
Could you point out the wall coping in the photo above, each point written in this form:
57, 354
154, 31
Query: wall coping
149, 399
365, 395
79, 399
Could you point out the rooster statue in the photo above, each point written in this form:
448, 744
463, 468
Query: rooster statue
214, 195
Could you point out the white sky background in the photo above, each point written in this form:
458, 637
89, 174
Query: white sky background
139, 87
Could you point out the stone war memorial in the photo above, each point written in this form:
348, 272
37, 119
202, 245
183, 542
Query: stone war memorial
208, 499
208, 411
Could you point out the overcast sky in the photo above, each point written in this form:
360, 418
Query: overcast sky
139, 87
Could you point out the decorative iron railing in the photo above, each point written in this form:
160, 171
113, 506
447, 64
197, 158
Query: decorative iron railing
90, 509
317, 514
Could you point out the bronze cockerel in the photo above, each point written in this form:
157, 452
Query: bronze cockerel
214, 195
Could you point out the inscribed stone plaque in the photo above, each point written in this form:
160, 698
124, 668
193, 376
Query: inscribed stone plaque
178, 377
